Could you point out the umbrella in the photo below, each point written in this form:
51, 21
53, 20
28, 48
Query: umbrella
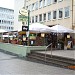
61, 29
37, 27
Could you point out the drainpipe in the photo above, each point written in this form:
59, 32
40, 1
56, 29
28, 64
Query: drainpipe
72, 14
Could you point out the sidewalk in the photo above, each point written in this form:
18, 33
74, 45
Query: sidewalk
11, 65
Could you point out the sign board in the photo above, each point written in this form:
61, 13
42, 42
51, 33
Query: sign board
22, 18
23, 15
24, 28
23, 12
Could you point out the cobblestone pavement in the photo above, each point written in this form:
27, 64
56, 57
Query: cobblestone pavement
10, 65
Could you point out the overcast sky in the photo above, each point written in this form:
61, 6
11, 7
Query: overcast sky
7, 4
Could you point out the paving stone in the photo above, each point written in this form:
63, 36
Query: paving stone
16, 66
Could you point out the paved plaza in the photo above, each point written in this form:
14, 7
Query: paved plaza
63, 53
11, 65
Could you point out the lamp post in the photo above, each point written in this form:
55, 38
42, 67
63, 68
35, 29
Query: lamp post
28, 27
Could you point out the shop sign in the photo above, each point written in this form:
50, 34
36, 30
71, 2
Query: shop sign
24, 28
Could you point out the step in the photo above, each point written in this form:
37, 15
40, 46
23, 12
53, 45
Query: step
51, 58
61, 59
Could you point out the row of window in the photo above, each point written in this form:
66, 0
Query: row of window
7, 16
56, 14
6, 28
5, 10
6, 22
41, 3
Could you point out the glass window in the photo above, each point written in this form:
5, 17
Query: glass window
44, 16
54, 1
67, 11
9, 27
33, 19
54, 14
48, 2
40, 3
30, 8
33, 6
45, 2
0, 21
40, 17
60, 13
36, 5
49, 15
36, 18
26, 7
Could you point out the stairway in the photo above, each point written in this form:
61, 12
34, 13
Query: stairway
51, 60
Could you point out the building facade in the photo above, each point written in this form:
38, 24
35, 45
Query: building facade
6, 19
52, 12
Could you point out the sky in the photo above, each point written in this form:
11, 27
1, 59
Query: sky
7, 4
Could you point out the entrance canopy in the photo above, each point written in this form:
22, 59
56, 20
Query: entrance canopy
61, 29
37, 27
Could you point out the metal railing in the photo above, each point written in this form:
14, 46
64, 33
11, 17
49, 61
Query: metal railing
46, 50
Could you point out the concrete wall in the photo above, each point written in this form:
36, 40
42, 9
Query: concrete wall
19, 49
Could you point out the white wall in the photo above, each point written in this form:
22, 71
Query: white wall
18, 5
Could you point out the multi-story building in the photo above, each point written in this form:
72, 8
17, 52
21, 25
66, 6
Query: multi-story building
52, 12
6, 19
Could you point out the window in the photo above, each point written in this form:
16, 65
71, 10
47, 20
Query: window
26, 7
36, 5
67, 11
33, 6
60, 13
30, 8
48, 2
0, 21
49, 15
33, 19
9, 28
54, 1
40, 4
30, 20
54, 14
44, 16
40, 17
36, 18
45, 2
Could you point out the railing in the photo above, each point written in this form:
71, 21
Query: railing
46, 50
